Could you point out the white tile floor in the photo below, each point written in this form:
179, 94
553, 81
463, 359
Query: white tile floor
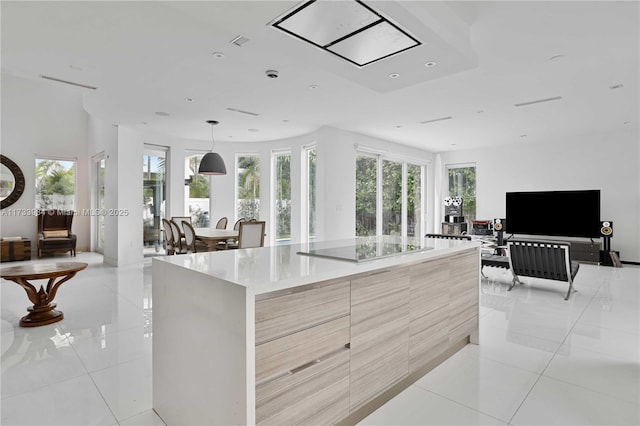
540, 361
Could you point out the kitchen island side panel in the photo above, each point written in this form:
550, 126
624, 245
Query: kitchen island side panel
199, 348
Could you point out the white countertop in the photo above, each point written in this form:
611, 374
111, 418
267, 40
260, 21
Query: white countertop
267, 269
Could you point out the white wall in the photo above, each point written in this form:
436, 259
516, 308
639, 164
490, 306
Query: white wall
43, 118
610, 163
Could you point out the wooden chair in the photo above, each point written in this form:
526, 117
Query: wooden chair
222, 223
250, 234
448, 236
178, 239
224, 245
54, 232
192, 244
168, 236
179, 220
542, 259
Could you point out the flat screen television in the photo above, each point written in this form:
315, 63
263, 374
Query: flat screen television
554, 213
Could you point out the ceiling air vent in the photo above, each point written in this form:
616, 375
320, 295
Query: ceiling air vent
255, 114
436, 119
84, 86
539, 101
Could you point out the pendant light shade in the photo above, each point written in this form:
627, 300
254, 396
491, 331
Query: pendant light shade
212, 163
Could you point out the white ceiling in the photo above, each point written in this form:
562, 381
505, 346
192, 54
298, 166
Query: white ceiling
148, 56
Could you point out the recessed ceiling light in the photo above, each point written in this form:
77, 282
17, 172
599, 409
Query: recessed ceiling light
162, 113
313, 86
394, 75
254, 130
430, 64
188, 99
616, 86
218, 55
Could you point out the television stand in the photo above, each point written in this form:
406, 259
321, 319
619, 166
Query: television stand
585, 251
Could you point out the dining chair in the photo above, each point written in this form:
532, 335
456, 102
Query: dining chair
224, 245
222, 223
192, 244
179, 220
168, 236
177, 238
250, 234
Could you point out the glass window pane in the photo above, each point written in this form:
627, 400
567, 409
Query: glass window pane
248, 187
462, 182
197, 205
391, 198
311, 192
101, 204
55, 184
154, 194
282, 191
414, 200
366, 201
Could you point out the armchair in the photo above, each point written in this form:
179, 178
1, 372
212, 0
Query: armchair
542, 259
54, 232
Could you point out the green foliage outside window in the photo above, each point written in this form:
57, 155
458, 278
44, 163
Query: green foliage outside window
462, 182
248, 187
55, 184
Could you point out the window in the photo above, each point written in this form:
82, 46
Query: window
154, 196
55, 184
391, 198
414, 200
196, 192
248, 186
282, 195
388, 196
462, 182
366, 195
309, 161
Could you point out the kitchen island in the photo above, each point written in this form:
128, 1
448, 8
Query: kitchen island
272, 336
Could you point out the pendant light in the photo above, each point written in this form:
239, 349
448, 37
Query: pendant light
212, 163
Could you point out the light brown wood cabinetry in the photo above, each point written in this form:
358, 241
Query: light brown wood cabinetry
463, 295
286, 312
379, 333
325, 351
302, 355
429, 327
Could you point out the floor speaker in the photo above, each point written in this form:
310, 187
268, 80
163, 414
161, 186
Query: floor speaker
606, 228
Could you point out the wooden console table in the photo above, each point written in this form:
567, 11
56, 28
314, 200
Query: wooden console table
15, 250
43, 311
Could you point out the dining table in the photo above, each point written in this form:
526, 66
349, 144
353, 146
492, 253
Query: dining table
212, 236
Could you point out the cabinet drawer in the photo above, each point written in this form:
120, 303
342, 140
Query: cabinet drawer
280, 356
318, 394
288, 312
428, 337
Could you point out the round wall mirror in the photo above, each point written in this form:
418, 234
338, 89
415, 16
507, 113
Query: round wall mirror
11, 182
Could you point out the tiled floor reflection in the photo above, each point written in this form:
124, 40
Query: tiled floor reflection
541, 360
